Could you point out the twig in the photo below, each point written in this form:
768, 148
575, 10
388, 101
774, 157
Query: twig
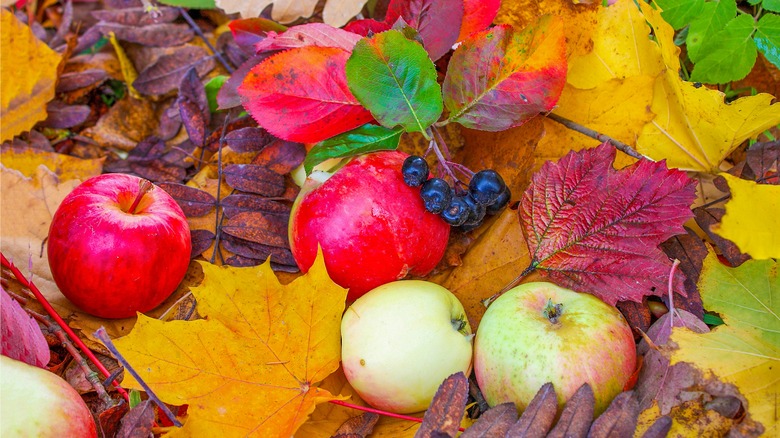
58, 319
671, 292
199, 32
219, 218
103, 336
619, 145
91, 375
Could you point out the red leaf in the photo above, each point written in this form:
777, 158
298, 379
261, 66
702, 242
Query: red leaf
477, 16
595, 229
437, 21
302, 95
247, 32
309, 34
363, 27
500, 78
21, 337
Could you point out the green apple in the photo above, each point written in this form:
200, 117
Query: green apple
401, 340
538, 333
38, 403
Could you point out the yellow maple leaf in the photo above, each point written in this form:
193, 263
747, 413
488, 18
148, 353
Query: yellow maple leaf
251, 367
65, 167
752, 218
28, 74
745, 351
694, 129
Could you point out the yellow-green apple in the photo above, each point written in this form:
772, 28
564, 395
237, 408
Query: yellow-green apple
372, 227
401, 340
118, 245
538, 333
38, 403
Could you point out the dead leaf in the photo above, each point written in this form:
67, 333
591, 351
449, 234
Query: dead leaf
577, 415
539, 416
125, 124
358, 426
29, 73
336, 12
619, 419
285, 339
442, 418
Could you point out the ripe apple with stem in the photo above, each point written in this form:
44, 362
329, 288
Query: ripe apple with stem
118, 245
538, 332
401, 340
36, 402
371, 226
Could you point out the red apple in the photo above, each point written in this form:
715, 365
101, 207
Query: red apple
38, 403
538, 333
372, 227
118, 245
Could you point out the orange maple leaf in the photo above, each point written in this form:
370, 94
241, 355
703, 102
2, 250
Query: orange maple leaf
250, 368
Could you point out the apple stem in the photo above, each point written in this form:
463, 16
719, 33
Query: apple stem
144, 186
553, 311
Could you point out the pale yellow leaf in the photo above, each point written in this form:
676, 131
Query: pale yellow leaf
752, 218
28, 73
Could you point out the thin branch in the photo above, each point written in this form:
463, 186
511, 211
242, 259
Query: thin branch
619, 145
199, 32
58, 319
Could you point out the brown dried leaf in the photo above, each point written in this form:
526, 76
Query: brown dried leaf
138, 422
254, 179
577, 415
239, 203
82, 79
764, 160
446, 410
251, 139
281, 156
690, 250
138, 16
201, 241
706, 218
125, 124
193, 202
637, 315
495, 422
257, 251
153, 35
539, 416
264, 228
111, 418
166, 73
193, 120
359, 426
619, 419
660, 428
157, 171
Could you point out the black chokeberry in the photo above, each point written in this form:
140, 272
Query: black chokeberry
500, 202
414, 170
485, 186
436, 195
476, 211
457, 213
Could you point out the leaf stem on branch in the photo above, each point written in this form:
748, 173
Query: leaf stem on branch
619, 145
199, 32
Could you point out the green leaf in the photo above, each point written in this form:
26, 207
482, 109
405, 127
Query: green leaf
212, 88
679, 13
366, 138
767, 37
771, 5
194, 4
714, 17
394, 78
728, 55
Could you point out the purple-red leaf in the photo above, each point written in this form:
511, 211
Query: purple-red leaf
302, 95
249, 31
194, 202
250, 139
500, 78
437, 21
595, 229
167, 72
366, 26
310, 34
241, 203
20, 336
254, 179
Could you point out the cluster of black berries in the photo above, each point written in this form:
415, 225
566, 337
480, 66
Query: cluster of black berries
487, 194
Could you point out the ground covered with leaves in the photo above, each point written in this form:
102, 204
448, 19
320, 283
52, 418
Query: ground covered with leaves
641, 152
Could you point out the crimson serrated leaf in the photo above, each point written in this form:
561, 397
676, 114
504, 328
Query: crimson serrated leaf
254, 179
302, 95
437, 21
596, 229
